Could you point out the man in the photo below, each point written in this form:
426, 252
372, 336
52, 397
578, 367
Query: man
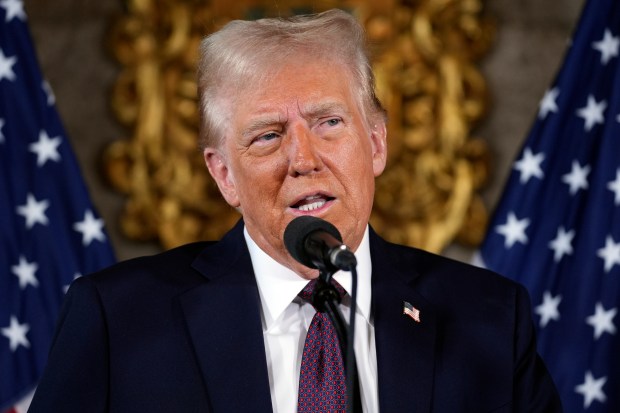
291, 127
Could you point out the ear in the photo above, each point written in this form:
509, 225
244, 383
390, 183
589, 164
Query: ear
220, 171
378, 138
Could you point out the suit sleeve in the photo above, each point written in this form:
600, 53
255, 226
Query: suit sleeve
534, 390
75, 378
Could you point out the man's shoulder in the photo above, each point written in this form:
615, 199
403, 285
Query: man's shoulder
441, 265
170, 270
437, 272
459, 292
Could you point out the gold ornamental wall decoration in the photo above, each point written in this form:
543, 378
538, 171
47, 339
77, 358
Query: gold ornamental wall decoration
424, 55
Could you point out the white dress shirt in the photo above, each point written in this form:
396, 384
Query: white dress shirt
286, 319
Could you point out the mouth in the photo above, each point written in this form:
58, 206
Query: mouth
312, 202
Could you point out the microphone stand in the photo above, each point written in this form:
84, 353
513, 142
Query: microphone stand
326, 299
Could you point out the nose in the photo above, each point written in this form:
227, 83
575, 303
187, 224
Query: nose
304, 157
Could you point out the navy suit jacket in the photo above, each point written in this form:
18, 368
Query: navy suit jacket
181, 332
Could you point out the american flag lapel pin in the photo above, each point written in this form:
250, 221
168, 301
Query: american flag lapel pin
411, 311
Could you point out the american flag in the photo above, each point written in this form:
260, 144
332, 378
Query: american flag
410, 311
557, 226
49, 230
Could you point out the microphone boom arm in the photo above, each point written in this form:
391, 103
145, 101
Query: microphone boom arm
326, 299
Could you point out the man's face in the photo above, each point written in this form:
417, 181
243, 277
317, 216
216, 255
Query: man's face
298, 144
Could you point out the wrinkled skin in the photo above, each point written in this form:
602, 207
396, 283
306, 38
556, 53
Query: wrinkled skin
300, 138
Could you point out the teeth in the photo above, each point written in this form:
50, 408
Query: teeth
312, 206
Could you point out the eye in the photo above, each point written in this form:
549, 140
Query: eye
267, 137
333, 122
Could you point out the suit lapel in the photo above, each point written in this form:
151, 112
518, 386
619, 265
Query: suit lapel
223, 320
224, 324
405, 348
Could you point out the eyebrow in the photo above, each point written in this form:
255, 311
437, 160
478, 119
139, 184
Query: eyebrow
309, 112
318, 110
261, 123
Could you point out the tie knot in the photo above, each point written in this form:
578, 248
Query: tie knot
308, 290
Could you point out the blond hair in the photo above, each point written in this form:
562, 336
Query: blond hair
243, 52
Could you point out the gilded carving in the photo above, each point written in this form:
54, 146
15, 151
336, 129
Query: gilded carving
425, 55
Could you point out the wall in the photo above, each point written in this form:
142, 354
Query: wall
69, 36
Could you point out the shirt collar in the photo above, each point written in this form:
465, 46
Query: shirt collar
278, 285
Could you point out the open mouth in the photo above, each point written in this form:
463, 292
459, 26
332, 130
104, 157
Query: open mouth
312, 203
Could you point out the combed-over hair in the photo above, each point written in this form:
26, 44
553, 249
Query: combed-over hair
243, 52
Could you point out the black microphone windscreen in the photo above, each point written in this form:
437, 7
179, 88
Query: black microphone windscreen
299, 229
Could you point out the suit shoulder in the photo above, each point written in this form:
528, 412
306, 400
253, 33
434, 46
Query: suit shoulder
171, 267
460, 292
451, 275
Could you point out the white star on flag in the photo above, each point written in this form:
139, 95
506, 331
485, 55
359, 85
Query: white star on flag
6, 66
601, 320
608, 46
1, 134
577, 178
47, 88
13, 8
25, 272
34, 211
591, 389
561, 244
618, 118
529, 165
610, 253
75, 277
46, 148
548, 103
548, 309
592, 113
91, 228
513, 230
16, 333
614, 186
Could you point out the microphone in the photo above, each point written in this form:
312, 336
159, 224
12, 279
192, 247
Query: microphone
316, 243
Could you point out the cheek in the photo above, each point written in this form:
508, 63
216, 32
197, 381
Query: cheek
360, 163
358, 179
259, 180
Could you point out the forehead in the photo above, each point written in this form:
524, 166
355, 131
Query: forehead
303, 86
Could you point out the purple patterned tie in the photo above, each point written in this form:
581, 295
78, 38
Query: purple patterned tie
322, 382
